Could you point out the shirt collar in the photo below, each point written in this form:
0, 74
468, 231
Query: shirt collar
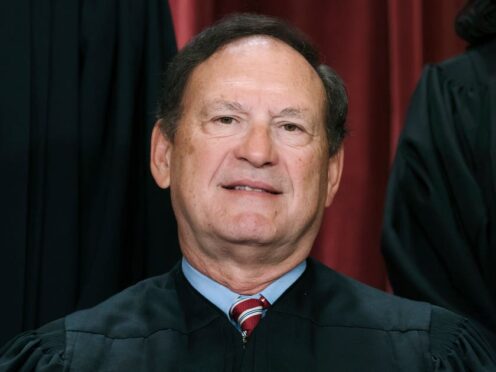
223, 297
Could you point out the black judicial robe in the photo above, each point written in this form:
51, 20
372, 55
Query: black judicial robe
323, 322
439, 233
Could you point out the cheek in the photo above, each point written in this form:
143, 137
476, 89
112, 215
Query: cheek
197, 162
306, 169
309, 175
184, 142
184, 163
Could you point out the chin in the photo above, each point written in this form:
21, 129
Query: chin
249, 228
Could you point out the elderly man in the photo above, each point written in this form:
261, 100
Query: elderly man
249, 141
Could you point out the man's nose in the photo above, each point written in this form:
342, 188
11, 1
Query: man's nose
257, 146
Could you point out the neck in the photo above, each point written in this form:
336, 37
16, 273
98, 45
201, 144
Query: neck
246, 278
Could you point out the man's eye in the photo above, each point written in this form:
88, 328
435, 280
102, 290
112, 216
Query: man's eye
225, 120
291, 127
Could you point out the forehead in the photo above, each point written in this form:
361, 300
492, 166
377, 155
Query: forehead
259, 63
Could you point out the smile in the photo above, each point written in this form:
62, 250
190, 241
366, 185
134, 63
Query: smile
252, 188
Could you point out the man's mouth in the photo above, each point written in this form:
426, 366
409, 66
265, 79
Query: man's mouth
253, 188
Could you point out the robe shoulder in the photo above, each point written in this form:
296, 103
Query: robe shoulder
149, 306
39, 350
139, 311
342, 301
457, 344
452, 342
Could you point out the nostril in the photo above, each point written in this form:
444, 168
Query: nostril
257, 148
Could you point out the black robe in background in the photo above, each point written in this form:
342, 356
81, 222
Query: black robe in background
439, 236
323, 322
80, 216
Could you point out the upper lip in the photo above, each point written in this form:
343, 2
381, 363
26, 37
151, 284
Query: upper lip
253, 184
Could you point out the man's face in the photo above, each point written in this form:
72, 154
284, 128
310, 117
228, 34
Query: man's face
249, 164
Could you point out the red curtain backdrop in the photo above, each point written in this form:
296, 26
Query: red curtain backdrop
379, 47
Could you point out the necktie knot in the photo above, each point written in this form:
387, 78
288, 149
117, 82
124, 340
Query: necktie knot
247, 312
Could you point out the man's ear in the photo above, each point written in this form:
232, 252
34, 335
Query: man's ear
160, 155
334, 171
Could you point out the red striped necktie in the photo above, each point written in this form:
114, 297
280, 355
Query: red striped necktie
247, 312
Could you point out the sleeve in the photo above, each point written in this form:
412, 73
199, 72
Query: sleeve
459, 345
439, 234
39, 350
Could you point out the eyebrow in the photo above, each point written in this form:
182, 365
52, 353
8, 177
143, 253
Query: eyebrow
223, 105
292, 112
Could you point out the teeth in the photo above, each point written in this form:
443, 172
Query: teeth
247, 188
